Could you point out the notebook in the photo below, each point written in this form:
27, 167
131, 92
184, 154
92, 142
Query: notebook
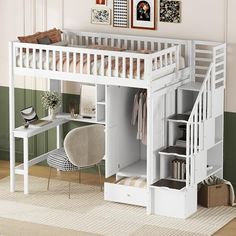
30, 116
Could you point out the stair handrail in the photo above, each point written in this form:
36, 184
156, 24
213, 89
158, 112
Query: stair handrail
202, 111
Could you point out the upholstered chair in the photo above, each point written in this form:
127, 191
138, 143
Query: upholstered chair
84, 147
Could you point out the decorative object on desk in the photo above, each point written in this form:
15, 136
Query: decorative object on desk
26, 125
101, 2
170, 11
101, 15
88, 101
143, 14
51, 101
73, 109
120, 13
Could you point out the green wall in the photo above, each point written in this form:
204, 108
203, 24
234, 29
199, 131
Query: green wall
47, 141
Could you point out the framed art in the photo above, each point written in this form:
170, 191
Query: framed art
170, 11
101, 2
143, 14
101, 15
120, 13
88, 101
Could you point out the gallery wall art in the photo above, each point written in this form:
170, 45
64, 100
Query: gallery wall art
101, 15
143, 14
121, 13
170, 11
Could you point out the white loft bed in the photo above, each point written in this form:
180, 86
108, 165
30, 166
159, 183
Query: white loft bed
118, 65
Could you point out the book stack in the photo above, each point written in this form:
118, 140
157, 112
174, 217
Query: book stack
178, 169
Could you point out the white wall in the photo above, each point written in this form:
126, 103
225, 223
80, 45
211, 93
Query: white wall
201, 19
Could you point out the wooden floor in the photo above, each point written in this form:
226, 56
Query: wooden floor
88, 178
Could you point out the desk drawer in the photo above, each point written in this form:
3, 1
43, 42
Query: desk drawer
125, 194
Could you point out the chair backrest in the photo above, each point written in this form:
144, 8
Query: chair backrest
85, 146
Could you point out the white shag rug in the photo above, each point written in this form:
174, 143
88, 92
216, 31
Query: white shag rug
87, 211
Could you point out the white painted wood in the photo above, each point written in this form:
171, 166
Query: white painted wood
12, 117
125, 194
138, 169
26, 166
21, 132
162, 77
174, 203
123, 148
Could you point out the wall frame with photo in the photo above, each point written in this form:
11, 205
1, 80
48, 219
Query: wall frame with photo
170, 11
143, 14
121, 13
101, 2
101, 15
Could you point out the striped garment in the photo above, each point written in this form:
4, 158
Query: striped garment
134, 181
59, 160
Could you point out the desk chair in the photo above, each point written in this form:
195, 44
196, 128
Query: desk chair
84, 147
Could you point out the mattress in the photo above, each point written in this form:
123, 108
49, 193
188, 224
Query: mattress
138, 182
92, 65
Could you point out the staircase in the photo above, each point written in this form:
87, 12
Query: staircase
194, 147
194, 126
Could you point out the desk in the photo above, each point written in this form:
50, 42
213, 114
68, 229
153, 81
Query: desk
25, 134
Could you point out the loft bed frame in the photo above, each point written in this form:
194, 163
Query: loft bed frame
155, 64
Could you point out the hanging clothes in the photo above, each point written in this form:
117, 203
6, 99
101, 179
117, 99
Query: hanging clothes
144, 124
135, 109
139, 115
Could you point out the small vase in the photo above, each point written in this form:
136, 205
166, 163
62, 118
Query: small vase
52, 114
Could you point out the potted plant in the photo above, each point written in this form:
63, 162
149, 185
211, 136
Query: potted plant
51, 101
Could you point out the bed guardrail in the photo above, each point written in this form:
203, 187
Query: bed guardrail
93, 62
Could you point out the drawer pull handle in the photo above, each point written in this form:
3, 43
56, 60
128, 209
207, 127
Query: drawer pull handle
128, 195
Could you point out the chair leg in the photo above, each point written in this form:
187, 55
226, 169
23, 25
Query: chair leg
49, 177
79, 172
69, 189
100, 176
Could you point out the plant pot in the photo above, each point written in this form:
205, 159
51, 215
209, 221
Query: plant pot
52, 114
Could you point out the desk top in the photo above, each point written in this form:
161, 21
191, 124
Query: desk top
22, 132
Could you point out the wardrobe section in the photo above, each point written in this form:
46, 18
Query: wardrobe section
126, 152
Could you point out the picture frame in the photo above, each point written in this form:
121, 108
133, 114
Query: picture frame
101, 2
121, 13
144, 14
101, 15
170, 11
88, 101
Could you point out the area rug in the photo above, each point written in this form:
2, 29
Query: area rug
87, 211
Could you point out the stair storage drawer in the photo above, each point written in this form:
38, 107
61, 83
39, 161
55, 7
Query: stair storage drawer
173, 202
125, 194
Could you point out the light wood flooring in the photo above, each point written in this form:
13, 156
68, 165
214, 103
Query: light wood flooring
87, 178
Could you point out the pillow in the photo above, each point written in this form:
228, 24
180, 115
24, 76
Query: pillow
61, 43
45, 40
54, 35
29, 38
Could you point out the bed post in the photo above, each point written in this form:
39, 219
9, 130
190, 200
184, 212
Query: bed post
11, 118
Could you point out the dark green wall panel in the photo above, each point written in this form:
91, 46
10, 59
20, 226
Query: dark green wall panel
230, 147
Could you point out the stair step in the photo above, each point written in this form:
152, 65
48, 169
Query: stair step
174, 150
174, 184
191, 86
179, 118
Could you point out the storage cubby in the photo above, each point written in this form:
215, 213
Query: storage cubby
215, 160
187, 95
218, 129
101, 103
